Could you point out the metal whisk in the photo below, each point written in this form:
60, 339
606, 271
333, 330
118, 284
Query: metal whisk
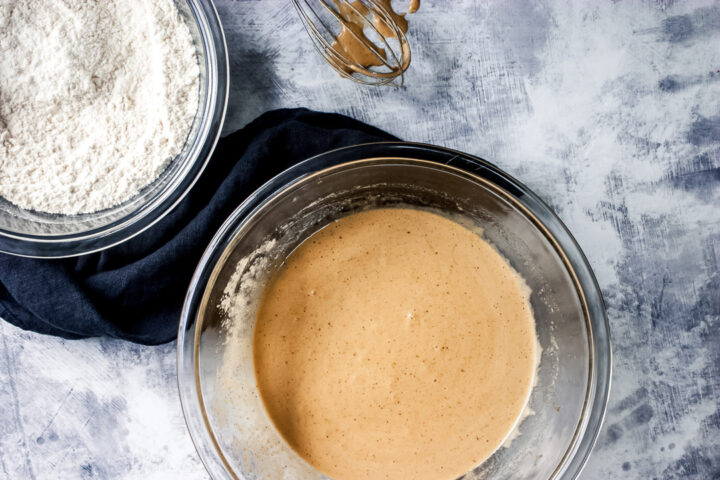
360, 39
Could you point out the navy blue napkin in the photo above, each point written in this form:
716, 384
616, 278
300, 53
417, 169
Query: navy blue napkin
135, 290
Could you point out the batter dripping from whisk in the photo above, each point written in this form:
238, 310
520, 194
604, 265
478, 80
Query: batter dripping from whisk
355, 46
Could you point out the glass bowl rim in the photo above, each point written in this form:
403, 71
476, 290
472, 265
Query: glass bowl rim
535, 209
148, 214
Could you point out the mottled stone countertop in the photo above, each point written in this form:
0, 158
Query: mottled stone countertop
610, 111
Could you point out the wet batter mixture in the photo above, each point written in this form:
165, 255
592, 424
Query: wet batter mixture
352, 42
395, 343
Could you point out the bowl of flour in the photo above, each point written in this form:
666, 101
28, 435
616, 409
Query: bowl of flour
109, 112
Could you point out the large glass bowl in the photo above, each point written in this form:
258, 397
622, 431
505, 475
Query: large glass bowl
232, 431
37, 234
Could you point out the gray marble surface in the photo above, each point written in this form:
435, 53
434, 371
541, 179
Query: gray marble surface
608, 110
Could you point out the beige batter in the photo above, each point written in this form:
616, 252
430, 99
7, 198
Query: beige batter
352, 41
395, 343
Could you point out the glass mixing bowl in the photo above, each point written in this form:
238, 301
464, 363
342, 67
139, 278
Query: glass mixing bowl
37, 234
227, 422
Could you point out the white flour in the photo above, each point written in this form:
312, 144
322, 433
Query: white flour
96, 98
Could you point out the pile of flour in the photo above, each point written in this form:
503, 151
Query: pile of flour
96, 98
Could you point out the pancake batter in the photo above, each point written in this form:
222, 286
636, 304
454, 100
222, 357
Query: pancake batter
395, 343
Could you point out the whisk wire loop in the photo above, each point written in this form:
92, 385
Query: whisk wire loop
395, 60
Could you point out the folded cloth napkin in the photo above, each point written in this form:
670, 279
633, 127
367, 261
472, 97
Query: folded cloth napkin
135, 290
